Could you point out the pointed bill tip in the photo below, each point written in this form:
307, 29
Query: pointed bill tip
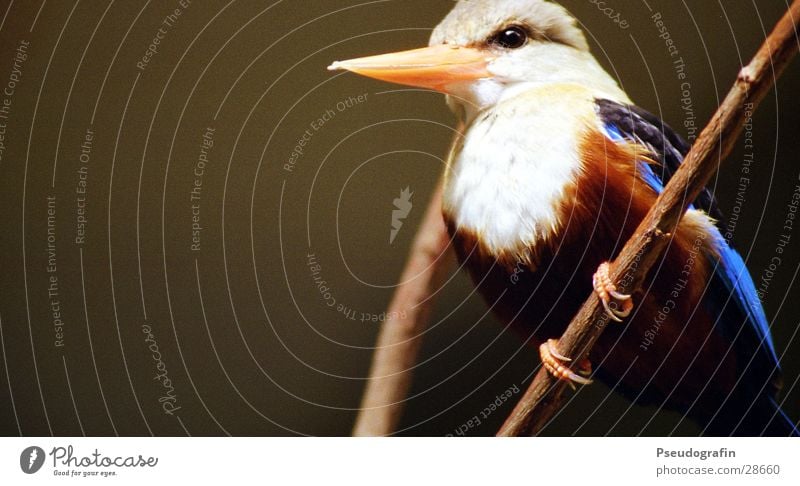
336, 66
434, 67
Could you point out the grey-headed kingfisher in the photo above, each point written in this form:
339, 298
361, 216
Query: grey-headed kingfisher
555, 169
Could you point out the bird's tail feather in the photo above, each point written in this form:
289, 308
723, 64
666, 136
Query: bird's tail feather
764, 418
785, 424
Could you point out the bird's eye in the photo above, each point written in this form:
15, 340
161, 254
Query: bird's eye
511, 38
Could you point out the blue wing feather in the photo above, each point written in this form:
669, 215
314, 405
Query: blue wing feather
730, 271
645, 171
733, 274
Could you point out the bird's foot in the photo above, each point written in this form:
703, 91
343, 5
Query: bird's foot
556, 365
606, 290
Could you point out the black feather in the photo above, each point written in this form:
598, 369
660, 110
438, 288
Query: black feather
666, 146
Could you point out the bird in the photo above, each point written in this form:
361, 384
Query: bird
552, 171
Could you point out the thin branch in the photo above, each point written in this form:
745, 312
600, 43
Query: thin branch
401, 334
543, 397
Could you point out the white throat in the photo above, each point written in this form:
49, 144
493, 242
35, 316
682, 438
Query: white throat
508, 183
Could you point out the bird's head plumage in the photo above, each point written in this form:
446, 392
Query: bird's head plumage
520, 76
481, 23
485, 51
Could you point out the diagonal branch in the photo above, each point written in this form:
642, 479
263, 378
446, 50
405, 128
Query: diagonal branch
401, 334
543, 397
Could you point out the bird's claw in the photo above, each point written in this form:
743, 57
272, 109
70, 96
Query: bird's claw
606, 290
555, 364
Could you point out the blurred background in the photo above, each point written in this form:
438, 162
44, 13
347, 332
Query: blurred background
177, 179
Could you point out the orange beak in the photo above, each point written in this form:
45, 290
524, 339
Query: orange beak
434, 67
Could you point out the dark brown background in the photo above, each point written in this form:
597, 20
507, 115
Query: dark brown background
262, 353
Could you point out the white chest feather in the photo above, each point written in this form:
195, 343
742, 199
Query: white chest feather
507, 184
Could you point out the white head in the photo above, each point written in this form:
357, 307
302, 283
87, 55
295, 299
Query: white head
486, 50
481, 55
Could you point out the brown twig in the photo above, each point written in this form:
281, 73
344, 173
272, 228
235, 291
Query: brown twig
401, 334
543, 397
